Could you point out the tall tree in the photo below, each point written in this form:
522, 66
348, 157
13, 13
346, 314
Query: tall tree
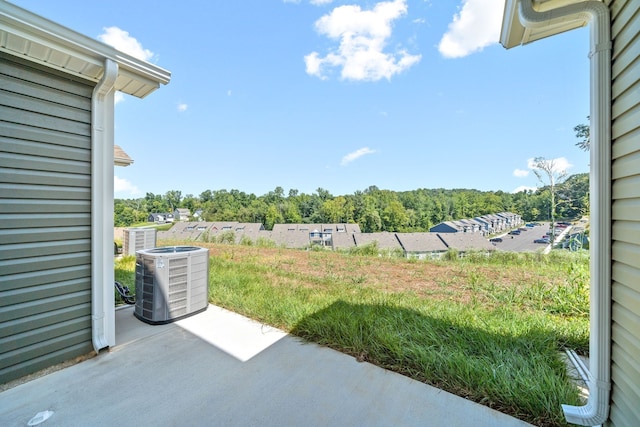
549, 173
583, 134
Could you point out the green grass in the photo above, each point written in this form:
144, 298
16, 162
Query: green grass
490, 329
125, 273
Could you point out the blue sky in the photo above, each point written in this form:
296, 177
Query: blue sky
302, 94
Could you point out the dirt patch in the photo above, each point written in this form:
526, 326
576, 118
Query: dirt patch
451, 281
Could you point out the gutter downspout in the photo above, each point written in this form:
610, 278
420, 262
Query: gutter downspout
596, 410
102, 275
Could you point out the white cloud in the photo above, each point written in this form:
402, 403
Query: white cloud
121, 185
118, 98
523, 188
520, 173
122, 41
362, 36
182, 107
476, 26
560, 164
356, 155
320, 2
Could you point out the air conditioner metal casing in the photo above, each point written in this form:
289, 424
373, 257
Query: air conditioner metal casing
171, 283
138, 238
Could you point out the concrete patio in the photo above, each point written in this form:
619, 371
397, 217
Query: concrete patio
218, 368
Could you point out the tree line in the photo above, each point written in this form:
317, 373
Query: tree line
373, 209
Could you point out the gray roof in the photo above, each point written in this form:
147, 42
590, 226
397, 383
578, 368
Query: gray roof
466, 241
307, 228
385, 240
343, 240
421, 242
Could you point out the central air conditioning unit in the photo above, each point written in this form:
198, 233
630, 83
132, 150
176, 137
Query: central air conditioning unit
171, 283
138, 238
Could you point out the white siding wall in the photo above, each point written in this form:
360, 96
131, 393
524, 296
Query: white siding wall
625, 407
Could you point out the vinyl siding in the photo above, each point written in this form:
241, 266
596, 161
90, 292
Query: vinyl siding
625, 369
45, 218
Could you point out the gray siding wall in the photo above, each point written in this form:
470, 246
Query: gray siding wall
625, 351
45, 218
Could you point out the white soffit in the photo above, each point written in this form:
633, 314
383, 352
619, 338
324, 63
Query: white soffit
33, 37
514, 34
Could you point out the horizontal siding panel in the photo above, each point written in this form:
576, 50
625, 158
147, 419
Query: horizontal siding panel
626, 122
26, 104
30, 177
50, 359
626, 188
47, 290
624, 87
626, 340
30, 250
13, 221
623, 27
42, 164
625, 253
627, 298
20, 318
627, 376
15, 191
46, 150
31, 340
33, 279
25, 88
45, 142
38, 206
43, 121
628, 232
627, 275
622, 396
627, 166
8, 346
47, 234
43, 348
626, 145
23, 265
623, 318
626, 210
46, 319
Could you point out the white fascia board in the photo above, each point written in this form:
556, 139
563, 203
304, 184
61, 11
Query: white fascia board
513, 33
31, 36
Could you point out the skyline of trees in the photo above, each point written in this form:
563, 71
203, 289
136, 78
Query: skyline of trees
373, 209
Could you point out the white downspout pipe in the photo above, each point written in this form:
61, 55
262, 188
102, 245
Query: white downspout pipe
102, 275
596, 411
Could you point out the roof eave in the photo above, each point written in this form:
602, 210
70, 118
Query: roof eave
513, 33
25, 34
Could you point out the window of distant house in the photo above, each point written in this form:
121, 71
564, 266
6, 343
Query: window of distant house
226, 228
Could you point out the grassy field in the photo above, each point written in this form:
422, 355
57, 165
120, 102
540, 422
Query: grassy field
490, 329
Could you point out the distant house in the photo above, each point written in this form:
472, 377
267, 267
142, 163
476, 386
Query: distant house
181, 214
160, 217
447, 227
422, 245
57, 124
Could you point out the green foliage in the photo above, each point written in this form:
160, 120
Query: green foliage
373, 209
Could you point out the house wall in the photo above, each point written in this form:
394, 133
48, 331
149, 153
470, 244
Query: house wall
625, 369
45, 217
